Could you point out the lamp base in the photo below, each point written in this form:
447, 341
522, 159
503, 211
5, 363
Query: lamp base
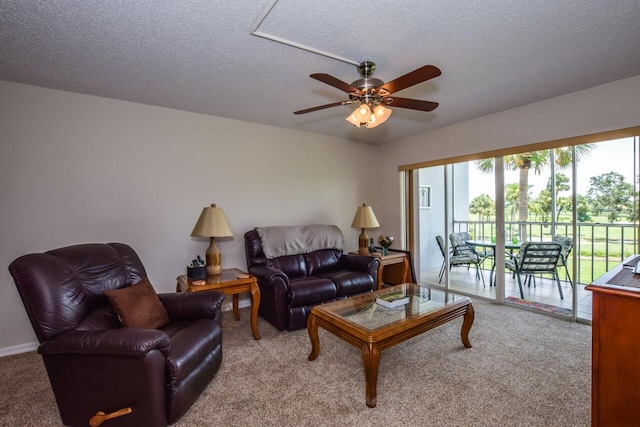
214, 270
213, 258
363, 243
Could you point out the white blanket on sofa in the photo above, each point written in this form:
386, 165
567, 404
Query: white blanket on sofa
292, 240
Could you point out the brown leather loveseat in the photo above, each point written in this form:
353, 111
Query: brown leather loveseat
93, 362
299, 267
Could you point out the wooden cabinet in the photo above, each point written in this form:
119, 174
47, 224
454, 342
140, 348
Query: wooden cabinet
615, 396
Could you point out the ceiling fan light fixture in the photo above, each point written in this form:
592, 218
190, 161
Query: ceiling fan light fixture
382, 113
353, 119
379, 116
373, 122
363, 112
372, 94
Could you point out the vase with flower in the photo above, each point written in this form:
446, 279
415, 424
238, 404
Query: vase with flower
385, 242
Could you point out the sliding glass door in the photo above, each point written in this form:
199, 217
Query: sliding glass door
431, 222
462, 210
538, 223
583, 198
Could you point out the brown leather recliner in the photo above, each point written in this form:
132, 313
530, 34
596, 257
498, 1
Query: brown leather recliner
94, 364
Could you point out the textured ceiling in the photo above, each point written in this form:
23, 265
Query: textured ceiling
200, 55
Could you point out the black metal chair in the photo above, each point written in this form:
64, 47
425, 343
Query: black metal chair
460, 256
535, 258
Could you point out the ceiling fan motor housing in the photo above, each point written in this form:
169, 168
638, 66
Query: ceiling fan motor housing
366, 69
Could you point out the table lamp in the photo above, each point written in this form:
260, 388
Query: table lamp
365, 218
212, 223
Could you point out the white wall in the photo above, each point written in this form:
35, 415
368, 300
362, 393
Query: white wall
77, 169
603, 108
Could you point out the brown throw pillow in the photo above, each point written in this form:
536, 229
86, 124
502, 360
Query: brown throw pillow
138, 306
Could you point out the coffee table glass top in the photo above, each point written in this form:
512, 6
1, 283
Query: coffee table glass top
366, 313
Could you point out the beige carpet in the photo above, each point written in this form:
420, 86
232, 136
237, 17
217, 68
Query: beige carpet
524, 369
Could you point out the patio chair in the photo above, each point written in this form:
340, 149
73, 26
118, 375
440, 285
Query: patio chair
567, 245
460, 258
459, 243
535, 258
460, 246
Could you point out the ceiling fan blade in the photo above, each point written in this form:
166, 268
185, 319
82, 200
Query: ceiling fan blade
332, 81
413, 78
322, 107
414, 104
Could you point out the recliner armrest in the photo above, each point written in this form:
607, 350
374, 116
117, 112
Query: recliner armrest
268, 275
364, 263
192, 305
110, 342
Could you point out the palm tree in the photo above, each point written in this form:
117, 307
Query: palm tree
482, 206
511, 196
536, 160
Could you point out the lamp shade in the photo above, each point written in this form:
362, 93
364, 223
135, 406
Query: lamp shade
365, 218
212, 223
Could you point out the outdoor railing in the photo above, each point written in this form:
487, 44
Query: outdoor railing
600, 246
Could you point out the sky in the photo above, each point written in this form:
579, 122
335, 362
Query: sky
604, 157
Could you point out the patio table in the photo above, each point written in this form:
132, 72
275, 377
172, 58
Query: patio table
488, 244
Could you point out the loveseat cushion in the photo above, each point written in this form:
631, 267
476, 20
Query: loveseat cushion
311, 290
322, 261
291, 265
350, 282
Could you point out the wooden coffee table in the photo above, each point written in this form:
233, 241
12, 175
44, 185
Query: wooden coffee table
363, 323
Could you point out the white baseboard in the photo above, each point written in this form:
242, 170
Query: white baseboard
17, 349
243, 302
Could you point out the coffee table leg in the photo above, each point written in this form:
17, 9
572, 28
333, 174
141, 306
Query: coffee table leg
255, 303
371, 359
312, 329
466, 326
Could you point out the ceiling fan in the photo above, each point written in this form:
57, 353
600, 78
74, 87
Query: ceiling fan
372, 95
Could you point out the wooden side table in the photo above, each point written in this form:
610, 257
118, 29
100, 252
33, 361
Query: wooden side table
229, 283
394, 268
